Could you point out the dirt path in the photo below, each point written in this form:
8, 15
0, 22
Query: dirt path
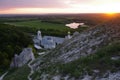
32, 71
1, 77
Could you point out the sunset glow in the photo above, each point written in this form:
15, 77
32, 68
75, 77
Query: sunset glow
60, 6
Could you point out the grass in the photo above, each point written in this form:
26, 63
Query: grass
101, 61
51, 27
2, 72
18, 74
40, 25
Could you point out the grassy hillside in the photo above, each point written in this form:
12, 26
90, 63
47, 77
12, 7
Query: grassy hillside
18, 74
94, 52
100, 61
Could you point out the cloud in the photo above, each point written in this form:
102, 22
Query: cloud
81, 1
62, 6
32, 3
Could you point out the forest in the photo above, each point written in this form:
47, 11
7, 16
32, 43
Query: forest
12, 41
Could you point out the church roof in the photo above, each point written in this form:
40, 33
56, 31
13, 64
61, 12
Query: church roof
55, 39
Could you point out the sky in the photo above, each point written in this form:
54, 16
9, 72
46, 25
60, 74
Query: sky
58, 6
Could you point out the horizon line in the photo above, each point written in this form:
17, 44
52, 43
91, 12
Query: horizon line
55, 13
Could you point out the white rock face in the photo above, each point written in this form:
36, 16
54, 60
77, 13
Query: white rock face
81, 45
111, 76
25, 56
87, 77
115, 58
56, 77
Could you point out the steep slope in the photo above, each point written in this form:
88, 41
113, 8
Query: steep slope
59, 62
18, 74
87, 42
91, 55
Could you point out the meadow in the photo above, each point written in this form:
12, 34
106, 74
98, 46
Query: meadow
53, 25
38, 24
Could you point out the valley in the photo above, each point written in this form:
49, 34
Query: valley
92, 52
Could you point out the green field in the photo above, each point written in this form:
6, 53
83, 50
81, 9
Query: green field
40, 25
51, 27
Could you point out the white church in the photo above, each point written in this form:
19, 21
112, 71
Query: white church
48, 42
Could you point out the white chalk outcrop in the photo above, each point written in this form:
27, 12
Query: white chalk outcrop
21, 59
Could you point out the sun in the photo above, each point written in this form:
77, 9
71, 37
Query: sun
111, 13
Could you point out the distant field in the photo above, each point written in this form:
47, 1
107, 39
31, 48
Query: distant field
40, 25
